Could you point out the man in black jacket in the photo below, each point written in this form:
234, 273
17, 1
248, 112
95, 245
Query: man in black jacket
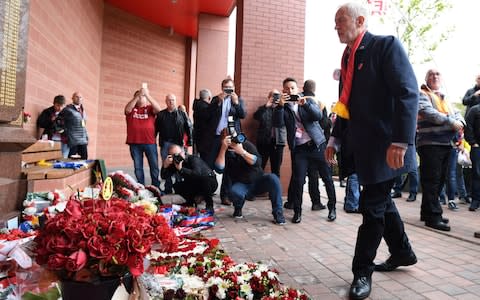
472, 96
171, 125
193, 176
202, 142
47, 123
242, 162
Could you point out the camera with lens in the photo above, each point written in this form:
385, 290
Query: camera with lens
276, 97
293, 98
228, 91
237, 137
177, 158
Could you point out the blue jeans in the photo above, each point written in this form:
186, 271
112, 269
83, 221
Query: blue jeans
150, 150
353, 193
475, 157
452, 174
412, 178
266, 183
65, 150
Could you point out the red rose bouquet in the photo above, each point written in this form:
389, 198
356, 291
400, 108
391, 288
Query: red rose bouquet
97, 238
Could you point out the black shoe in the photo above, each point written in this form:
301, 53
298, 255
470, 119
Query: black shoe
465, 200
439, 225
476, 234
352, 211
297, 217
396, 195
318, 206
250, 197
210, 208
237, 213
442, 201
288, 205
392, 263
332, 215
472, 209
412, 197
360, 288
444, 220
452, 205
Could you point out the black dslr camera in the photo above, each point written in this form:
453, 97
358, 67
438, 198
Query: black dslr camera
228, 91
177, 158
237, 137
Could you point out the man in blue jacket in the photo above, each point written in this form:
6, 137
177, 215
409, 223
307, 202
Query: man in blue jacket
301, 116
379, 97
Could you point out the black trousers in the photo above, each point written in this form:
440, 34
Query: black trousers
202, 186
81, 150
434, 160
274, 153
380, 219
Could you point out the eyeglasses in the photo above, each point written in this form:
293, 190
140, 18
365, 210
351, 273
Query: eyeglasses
434, 74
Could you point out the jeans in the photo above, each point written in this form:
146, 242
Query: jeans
461, 188
266, 183
475, 157
65, 150
303, 156
352, 193
434, 160
150, 150
412, 178
452, 174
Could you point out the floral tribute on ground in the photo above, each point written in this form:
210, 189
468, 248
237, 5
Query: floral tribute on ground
96, 238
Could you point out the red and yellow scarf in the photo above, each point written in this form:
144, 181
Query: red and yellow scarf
341, 107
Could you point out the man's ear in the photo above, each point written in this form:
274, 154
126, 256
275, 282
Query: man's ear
360, 21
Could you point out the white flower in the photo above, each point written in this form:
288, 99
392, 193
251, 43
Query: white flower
272, 275
246, 290
184, 270
192, 283
244, 277
61, 206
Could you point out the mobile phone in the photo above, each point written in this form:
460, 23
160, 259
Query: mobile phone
293, 98
144, 85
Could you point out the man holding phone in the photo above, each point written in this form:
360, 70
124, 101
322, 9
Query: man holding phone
306, 142
225, 104
270, 140
140, 114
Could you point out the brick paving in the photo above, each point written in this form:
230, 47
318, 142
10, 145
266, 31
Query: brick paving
316, 255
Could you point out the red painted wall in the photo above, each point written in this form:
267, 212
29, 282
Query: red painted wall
64, 54
134, 51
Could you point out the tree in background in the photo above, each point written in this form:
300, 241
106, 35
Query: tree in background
420, 24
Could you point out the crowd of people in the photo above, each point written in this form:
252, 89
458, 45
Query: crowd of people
380, 123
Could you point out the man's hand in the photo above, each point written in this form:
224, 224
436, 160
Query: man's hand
179, 166
395, 155
330, 155
477, 93
302, 101
234, 97
168, 161
457, 125
237, 148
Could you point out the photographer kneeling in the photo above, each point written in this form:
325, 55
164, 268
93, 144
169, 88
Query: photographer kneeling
243, 164
193, 176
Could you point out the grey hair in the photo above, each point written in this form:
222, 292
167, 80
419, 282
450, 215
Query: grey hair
355, 10
205, 94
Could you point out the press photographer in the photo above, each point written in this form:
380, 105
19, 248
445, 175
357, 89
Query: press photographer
243, 164
193, 177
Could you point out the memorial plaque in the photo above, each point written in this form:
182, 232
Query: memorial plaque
13, 55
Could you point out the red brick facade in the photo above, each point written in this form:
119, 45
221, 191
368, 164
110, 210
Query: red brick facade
134, 51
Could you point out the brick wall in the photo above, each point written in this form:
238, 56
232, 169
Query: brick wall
134, 51
270, 47
64, 51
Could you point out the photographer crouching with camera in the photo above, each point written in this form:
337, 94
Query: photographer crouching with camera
241, 160
193, 177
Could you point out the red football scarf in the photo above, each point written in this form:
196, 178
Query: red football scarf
341, 107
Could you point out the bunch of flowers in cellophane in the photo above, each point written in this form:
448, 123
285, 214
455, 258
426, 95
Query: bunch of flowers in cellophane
97, 238
211, 274
41, 204
127, 188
